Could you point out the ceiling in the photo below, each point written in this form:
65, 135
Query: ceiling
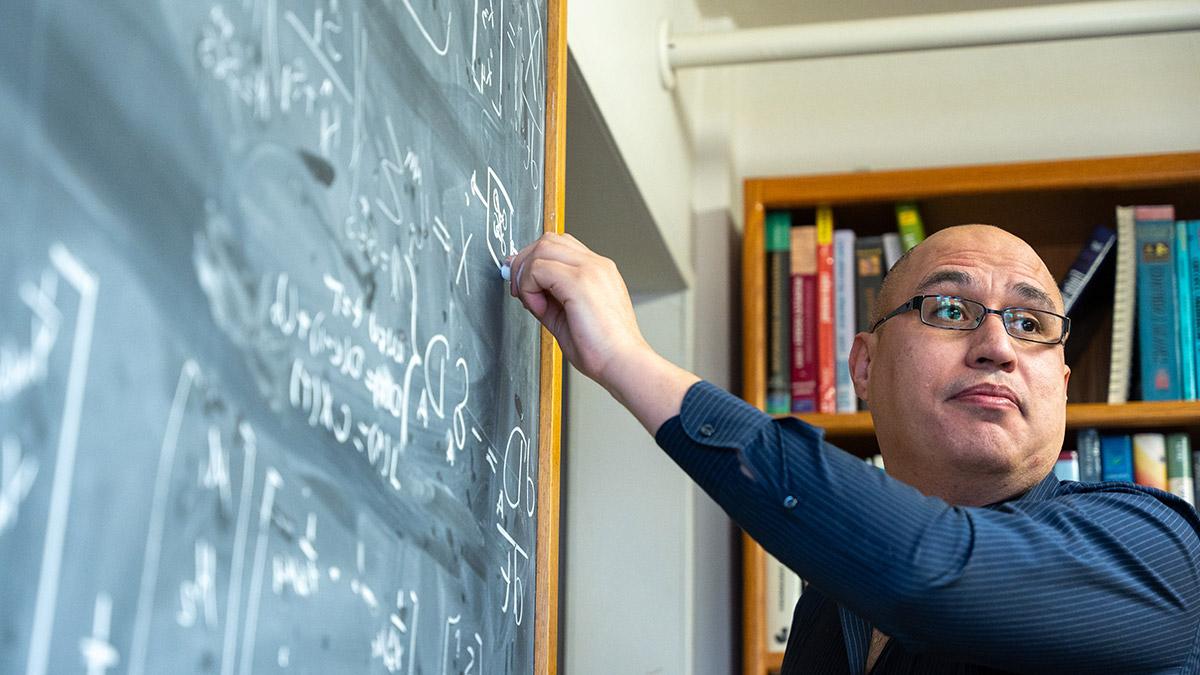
753, 13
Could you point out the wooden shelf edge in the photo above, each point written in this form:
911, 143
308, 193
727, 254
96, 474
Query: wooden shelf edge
1136, 414
1102, 172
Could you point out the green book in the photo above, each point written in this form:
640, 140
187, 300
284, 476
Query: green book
1179, 467
908, 221
777, 231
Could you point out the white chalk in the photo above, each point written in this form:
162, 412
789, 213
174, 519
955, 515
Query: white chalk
506, 271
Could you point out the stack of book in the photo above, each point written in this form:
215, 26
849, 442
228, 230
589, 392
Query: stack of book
822, 284
1163, 461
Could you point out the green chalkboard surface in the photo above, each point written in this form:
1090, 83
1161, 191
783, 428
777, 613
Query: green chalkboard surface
265, 405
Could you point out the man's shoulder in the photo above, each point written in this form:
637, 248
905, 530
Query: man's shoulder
1129, 499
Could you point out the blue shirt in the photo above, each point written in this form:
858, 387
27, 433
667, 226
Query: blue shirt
1083, 577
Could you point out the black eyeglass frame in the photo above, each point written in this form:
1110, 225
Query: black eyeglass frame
915, 302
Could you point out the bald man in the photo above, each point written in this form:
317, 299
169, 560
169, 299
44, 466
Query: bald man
968, 556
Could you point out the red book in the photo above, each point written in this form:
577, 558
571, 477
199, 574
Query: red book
804, 318
826, 372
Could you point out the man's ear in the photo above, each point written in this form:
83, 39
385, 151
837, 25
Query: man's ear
1066, 377
860, 363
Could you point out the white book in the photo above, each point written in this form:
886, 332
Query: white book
783, 592
891, 249
844, 314
1124, 296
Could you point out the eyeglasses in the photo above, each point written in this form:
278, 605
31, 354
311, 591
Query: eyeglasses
954, 313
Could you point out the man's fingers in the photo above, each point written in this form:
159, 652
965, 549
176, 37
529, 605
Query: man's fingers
542, 275
550, 246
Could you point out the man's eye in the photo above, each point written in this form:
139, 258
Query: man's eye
1026, 323
951, 312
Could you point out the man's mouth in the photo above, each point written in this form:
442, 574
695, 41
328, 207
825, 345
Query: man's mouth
989, 396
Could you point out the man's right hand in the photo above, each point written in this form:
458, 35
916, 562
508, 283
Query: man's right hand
582, 300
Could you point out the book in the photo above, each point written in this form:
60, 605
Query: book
1150, 460
1192, 227
804, 319
783, 591
891, 250
1090, 464
1124, 303
1092, 257
1180, 481
1187, 317
777, 231
1067, 466
1087, 299
1195, 483
826, 371
844, 316
1158, 304
908, 221
868, 267
1116, 451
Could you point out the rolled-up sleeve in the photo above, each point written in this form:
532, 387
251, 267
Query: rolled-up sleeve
1093, 576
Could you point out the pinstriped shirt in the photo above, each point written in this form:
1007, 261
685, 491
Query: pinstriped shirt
1068, 577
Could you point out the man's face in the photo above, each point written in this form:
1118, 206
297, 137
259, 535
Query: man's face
956, 411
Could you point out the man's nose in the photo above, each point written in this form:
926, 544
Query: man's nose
992, 346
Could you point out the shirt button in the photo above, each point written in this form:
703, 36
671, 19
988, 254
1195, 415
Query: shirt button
707, 430
789, 502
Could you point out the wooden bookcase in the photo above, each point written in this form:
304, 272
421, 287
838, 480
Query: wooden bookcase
1053, 205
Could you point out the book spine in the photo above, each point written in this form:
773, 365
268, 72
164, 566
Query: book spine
1067, 466
844, 316
777, 230
908, 221
1193, 235
1091, 257
1124, 300
783, 590
1090, 464
1187, 318
1195, 483
891, 250
1116, 450
1158, 302
826, 349
1150, 460
804, 319
1179, 467
868, 268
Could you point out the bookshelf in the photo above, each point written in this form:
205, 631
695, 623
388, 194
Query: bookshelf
1053, 205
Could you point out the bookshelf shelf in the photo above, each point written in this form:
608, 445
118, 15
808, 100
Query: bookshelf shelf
1141, 414
1053, 205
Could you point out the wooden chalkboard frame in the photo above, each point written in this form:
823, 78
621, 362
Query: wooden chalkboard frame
550, 398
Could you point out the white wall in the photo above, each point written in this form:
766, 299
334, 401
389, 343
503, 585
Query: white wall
614, 42
1082, 98
627, 528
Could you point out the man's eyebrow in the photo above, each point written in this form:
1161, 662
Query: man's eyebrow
1034, 295
956, 277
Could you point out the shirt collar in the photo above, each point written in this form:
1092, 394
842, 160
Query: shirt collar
1041, 491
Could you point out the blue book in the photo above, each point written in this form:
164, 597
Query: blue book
1158, 304
844, 317
1116, 450
1193, 236
1091, 466
1093, 256
1187, 312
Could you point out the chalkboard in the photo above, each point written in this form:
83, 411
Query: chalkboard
265, 404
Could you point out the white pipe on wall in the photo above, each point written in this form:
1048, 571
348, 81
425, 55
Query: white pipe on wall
924, 32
